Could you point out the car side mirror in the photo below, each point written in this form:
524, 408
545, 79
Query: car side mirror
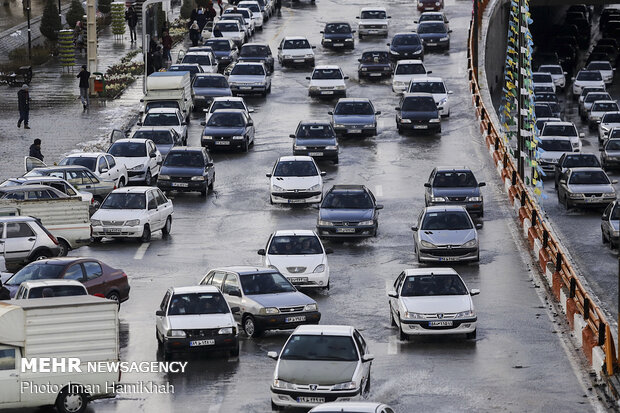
203, 123
389, 17
392, 294
565, 73
397, 109
329, 251
268, 175
209, 164
449, 31
160, 313
562, 181
474, 291
139, 123
427, 184
615, 181
428, 72
359, 60
153, 155
261, 251
307, 77
357, 17
415, 21
414, 229
388, 44
323, 173
601, 149
378, 206
250, 110
314, 47
183, 123
330, 113
353, 31
479, 225
272, 355
604, 218
141, 100
573, 78
377, 113
450, 92
321, 32
482, 184
235, 310
367, 357
582, 135
346, 77
291, 136
250, 123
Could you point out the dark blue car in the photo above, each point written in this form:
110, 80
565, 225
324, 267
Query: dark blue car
406, 46
418, 112
228, 128
187, 169
316, 139
434, 35
225, 51
455, 186
338, 35
208, 86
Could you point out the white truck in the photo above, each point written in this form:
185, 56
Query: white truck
48, 347
68, 219
169, 89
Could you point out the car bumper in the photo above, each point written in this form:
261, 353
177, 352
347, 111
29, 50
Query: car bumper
328, 93
382, 31
118, 232
290, 398
448, 255
292, 61
420, 127
346, 232
296, 197
440, 44
223, 342
279, 321
339, 45
248, 89
309, 280
474, 208
354, 130
416, 328
591, 202
374, 74
429, 7
399, 89
317, 153
222, 144
182, 186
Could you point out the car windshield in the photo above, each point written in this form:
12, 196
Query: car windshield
406, 40
613, 145
265, 283
315, 132
589, 178
599, 66
559, 130
373, 14
219, 45
128, 149
375, 57
582, 160
226, 27
201, 59
430, 17
295, 168
611, 118
593, 97
57, 291
225, 119
432, 285
354, 108
161, 119
255, 51
227, 104
337, 28
211, 81
410, 69
589, 75
185, 68
124, 201
554, 70
191, 159
542, 78
163, 137
321, 74
320, 347
543, 111
545, 97
454, 179
543, 89
90, 163
432, 28
248, 70
587, 90
428, 87
604, 107
347, 200
296, 44
197, 303
254, 7
419, 104
36, 271
446, 221
161, 104
555, 145
295, 245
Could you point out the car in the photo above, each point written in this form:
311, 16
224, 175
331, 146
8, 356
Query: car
436, 87
352, 407
586, 103
247, 15
418, 112
348, 211
228, 128
133, 212
587, 78
98, 278
295, 180
609, 121
249, 78
230, 29
610, 154
554, 147
300, 256
610, 225
607, 71
168, 117
405, 72
589, 89
257, 52
54, 182
24, 240
432, 301
225, 51
164, 138
206, 60
103, 165
296, 50
49, 288
446, 233
228, 102
564, 129
265, 8
574, 160
338, 35
31, 193
543, 79
197, 319
140, 157
327, 81
374, 64
543, 89
435, 5
406, 46
232, 16
585, 187
268, 301
208, 86
373, 21
257, 14
319, 364
316, 139
434, 35
543, 110
551, 99
598, 109
545, 58
354, 116
192, 68
566, 53
540, 122
187, 168
80, 177
449, 185
605, 54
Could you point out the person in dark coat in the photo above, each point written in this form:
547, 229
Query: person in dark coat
166, 41
132, 21
5, 294
35, 150
84, 75
23, 100
158, 60
211, 13
194, 33
201, 18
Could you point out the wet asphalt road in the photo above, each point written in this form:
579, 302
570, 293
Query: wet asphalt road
517, 363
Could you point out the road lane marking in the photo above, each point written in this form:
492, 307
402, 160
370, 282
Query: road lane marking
141, 251
379, 190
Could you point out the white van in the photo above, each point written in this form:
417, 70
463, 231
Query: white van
169, 89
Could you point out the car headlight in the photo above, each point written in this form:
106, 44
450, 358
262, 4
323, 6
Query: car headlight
405, 120
370, 125
610, 195
350, 385
96, 223
198, 178
278, 188
163, 177
369, 222
269, 310
437, 3
176, 333
364, 69
331, 147
322, 223
273, 267
575, 195
238, 137
427, 244
437, 120
474, 199
314, 88
207, 137
308, 56
311, 307
339, 125
469, 313
438, 199
226, 330
137, 167
412, 316
348, 40
314, 187
394, 52
605, 128
443, 39
299, 148
319, 268
132, 223
340, 87
443, 101
327, 40
471, 243
281, 384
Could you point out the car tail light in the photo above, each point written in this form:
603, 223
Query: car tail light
123, 274
92, 201
99, 295
53, 238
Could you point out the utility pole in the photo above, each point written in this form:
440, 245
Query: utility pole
29, 32
520, 137
474, 56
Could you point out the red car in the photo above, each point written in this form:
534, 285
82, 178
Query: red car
430, 5
99, 279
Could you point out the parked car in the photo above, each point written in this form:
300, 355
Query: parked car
418, 112
133, 212
433, 16
208, 86
225, 51
196, 319
231, 16
316, 139
354, 116
434, 35
598, 109
80, 177
407, 71
166, 117
259, 53
436, 87
574, 160
140, 157
268, 301
432, 301
554, 147
296, 50
206, 60
49, 288
610, 154
249, 78
338, 35
327, 81
295, 180
25, 240
610, 225
187, 168
247, 15
352, 407
454, 186
607, 71
587, 78
31, 192
586, 187
373, 21
374, 64
568, 129
228, 128
609, 121
406, 46
557, 74
103, 165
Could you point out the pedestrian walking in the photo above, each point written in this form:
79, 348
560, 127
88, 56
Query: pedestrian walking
132, 21
158, 61
279, 6
211, 13
84, 75
35, 150
219, 3
23, 101
194, 33
78, 36
166, 41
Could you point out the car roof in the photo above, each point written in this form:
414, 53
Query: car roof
427, 79
255, 44
23, 188
249, 63
63, 167
559, 123
337, 22
152, 129
131, 140
315, 122
373, 9
133, 189
601, 61
198, 53
587, 169
605, 101
245, 269
63, 260
615, 112
429, 271
324, 329
418, 94
555, 138
410, 62
186, 149
406, 34
51, 282
295, 158
228, 99
290, 232
163, 110
86, 154
326, 67
348, 188
209, 75
203, 288
295, 38
37, 178
181, 65
17, 219
353, 100
444, 208
230, 111
453, 168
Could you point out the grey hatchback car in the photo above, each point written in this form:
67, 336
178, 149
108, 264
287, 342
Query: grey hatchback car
455, 186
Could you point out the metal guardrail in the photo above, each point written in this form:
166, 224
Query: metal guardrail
552, 253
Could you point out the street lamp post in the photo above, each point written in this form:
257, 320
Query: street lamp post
145, 44
29, 33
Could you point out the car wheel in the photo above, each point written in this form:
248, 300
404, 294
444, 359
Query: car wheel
68, 402
399, 128
204, 191
270, 199
612, 244
249, 326
336, 161
97, 239
567, 203
63, 247
121, 183
246, 145
401, 334
604, 239
148, 178
392, 321
146, 234
167, 227
114, 297
41, 255
367, 386
275, 407
471, 336
235, 351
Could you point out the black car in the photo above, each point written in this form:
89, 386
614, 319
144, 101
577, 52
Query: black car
418, 112
338, 35
435, 35
406, 46
316, 139
228, 128
187, 169
574, 160
348, 211
257, 52
225, 51
454, 186
374, 65
542, 110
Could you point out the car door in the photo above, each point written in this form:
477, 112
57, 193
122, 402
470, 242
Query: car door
31, 162
19, 240
394, 301
9, 374
160, 319
428, 189
115, 170
116, 134
605, 224
563, 185
363, 349
164, 206
152, 213
103, 169
232, 292
94, 280
76, 272
155, 158
209, 166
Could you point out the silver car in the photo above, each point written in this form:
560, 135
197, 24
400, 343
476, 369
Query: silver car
446, 233
586, 187
609, 121
610, 225
268, 301
249, 78
598, 109
23, 240
588, 100
610, 154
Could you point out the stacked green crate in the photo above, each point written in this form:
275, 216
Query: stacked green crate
118, 18
66, 48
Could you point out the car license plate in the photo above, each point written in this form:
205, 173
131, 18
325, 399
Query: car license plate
246, 88
440, 323
590, 200
420, 126
327, 92
315, 153
311, 399
180, 184
222, 142
112, 230
431, 44
375, 74
198, 343
338, 44
345, 230
298, 279
354, 131
448, 258
295, 319
373, 31
298, 60
296, 201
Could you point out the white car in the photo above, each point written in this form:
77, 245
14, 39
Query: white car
50, 288
57, 183
295, 180
598, 109
206, 60
373, 21
230, 29
103, 165
432, 301
133, 212
247, 17
300, 256
554, 147
169, 117
227, 102
321, 362
296, 50
257, 15
557, 74
406, 71
327, 81
239, 19
609, 121
603, 66
140, 157
543, 79
436, 87
564, 129
352, 407
585, 78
